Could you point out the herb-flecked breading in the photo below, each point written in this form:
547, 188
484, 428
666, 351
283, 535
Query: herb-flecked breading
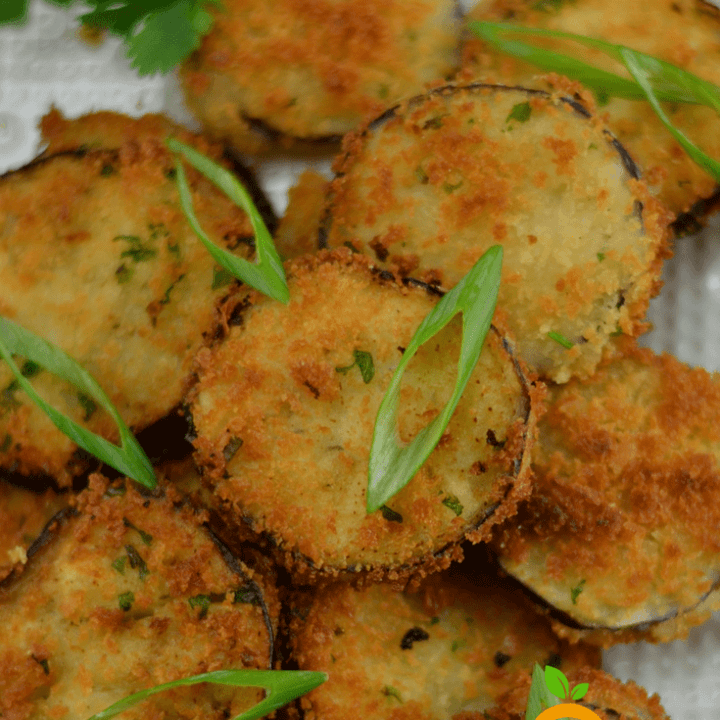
619, 533
685, 33
128, 592
429, 186
295, 71
96, 256
607, 697
286, 404
475, 639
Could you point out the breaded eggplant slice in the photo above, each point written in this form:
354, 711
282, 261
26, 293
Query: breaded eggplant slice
284, 420
606, 696
97, 257
620, 532
462, 641
429, 186
296, 73
130, 593
685, 33
23, 515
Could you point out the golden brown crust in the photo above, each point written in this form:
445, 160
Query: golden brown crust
684, 33
130, 593
433, 184
23, 515
97, 257
284, 435
294, 71
465, 638
618, 531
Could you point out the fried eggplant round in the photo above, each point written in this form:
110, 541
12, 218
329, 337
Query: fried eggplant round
128, 593
298, 72
429, 186
23, 515
286, 404
458, 644
606, 696
685, 33
620, 530
96, 256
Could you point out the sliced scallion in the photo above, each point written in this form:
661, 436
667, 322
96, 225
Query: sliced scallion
391, 466
129, 458
282, 687
267, 275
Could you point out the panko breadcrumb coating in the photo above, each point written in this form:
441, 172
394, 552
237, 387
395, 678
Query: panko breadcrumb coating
284, 420
295, 72
130, 593
459, 643
607, 697
619, 533
96, 256
23, 515
428, 187
685, 33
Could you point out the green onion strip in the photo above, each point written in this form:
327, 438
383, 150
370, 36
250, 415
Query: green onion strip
391, 466
653, 79
267, 275
282, 687
129, 458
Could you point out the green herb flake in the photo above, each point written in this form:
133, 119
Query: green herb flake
617, 332
434, 620
123, 274
119, 564
575, 592
520, 112
384, 91
450, 188
6, 443
230, 450
126, 600
247, 595
600, 256
389, 691
390, 515
458, 644
87, 404
30, 369
221, 278
452, 502
144, 536
166, 297
107, 170
365, 364
560, 339
202, 602
115, 491
421, 176
136, 562
137, 252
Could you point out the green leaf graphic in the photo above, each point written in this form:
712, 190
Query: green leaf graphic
556, 682
579, 691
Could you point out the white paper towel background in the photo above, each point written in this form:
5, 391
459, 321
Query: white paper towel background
43, 63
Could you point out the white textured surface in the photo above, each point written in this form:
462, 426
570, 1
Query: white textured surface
43, 63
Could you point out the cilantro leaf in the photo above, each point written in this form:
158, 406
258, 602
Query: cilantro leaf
13, 11
168, 36
121, 17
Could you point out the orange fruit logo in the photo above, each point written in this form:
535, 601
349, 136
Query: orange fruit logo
568, 710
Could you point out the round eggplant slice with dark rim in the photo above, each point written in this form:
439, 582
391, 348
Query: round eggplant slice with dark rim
606, 696
286, 404
459, 643
126, 593
97, 257
620, 530
292, 73
430, 185
23, 515
685, 33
